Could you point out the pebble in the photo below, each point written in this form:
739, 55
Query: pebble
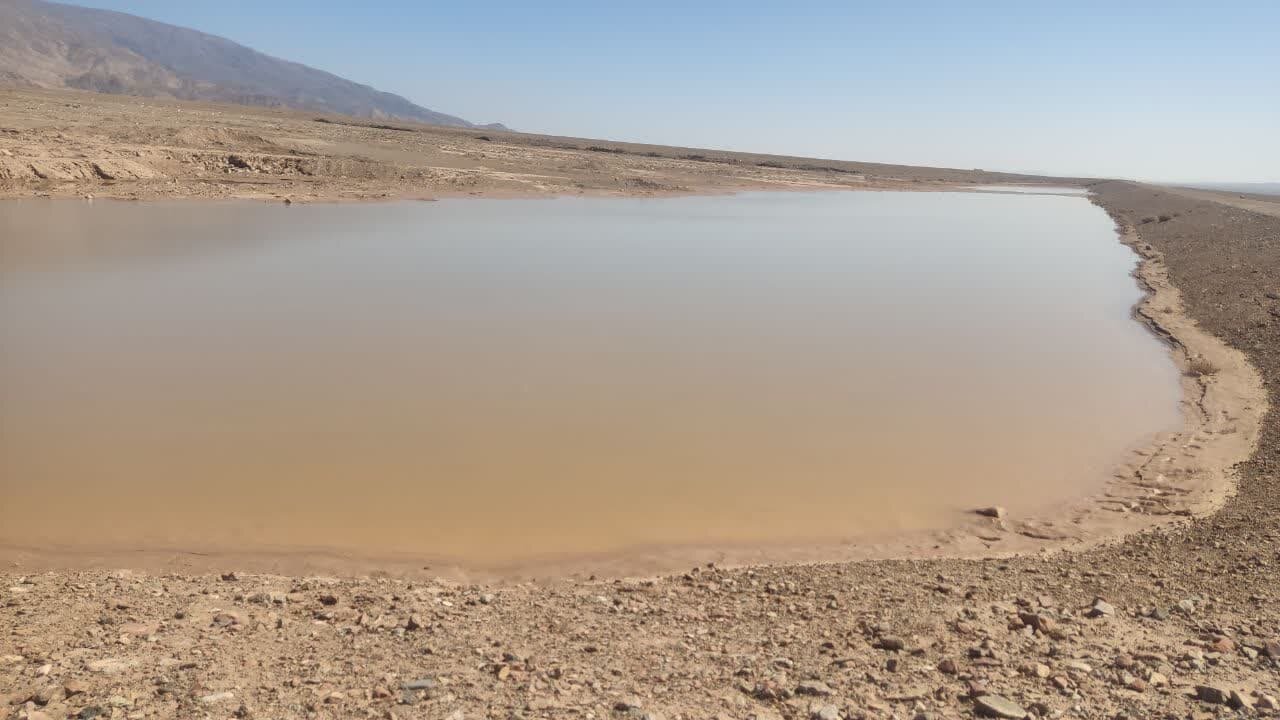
891, 643
825, 712
995, 706
995, 511
1212, 695
814, 687
1078, 666
110, 666
1101, 608
217, 697
226, 619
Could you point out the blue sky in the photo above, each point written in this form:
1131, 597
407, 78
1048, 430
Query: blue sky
1175, 91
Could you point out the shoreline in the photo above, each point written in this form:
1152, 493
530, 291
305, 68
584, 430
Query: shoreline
1181, 620
1176, 476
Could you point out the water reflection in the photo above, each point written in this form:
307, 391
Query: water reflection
492, 379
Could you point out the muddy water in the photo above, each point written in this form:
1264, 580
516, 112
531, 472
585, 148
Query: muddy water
495, 380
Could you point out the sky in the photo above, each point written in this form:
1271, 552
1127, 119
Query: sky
1168, 91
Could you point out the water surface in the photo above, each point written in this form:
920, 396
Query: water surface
494, 380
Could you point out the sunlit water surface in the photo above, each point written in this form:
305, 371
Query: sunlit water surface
493, 380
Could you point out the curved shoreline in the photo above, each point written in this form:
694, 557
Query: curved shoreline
1179, 475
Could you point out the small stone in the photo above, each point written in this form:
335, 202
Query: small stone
230, 577
1267, 702
1223, 645
826, 712
1101, 608
1237, 701
1212, 695
44, 669
1156, 679
334, 697
74, 687
328, 600
226, 619
1187, 607
1041, 623
420, 684
995, 706
947, 666
217, 697
814, 687
1041, 671
1078, 666
891, 643
995, 511
1271, 649
44, 695
110, 666
487, 599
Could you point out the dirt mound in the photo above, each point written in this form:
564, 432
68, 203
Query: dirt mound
203, 137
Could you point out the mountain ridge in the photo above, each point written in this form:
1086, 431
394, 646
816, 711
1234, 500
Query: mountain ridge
52, 45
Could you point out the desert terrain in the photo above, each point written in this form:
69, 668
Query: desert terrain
69, 144
1169, 614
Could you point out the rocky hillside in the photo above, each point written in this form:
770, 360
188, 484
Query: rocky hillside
52, 45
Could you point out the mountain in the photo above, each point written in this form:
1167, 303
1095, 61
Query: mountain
53, 45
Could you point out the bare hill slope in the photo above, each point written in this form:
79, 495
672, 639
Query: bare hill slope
52, 45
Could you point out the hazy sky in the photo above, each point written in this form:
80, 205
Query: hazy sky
1153, 90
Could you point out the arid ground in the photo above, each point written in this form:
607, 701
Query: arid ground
1179, 620
75, 144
